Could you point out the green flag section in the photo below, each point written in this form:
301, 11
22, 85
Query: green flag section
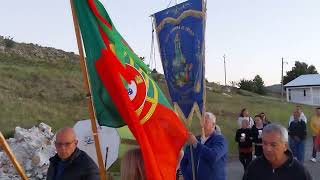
123, 92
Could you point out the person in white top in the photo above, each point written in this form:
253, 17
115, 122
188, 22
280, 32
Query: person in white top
302, 116
244, 115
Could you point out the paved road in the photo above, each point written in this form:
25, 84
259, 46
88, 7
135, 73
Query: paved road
235, 169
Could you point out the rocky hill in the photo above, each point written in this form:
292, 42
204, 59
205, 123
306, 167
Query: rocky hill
10, 48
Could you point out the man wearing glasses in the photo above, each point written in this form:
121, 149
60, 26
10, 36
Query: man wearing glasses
70, 163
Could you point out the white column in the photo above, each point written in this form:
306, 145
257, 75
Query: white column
311, 91
287, 90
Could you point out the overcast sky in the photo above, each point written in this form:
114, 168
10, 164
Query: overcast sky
254, 34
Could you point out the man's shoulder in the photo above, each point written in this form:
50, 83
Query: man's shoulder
259, 161
296, 170
296, 166
54, 159
83, 156
217, 138
83, 160
257, 168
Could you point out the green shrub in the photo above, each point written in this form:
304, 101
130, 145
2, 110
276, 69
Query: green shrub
8, 42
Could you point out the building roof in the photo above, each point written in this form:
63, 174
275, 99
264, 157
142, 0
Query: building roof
305, 80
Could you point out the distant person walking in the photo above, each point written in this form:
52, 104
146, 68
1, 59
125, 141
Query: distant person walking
244, 115
243, 138
297, 135
264, 118
256, 132
315, 129
302, 116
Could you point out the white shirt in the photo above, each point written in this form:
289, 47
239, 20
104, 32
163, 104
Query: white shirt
302, 117
251, 123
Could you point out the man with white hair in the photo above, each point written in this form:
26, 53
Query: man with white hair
277, 161
209, 153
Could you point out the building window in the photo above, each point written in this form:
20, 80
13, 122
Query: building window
289, 94
304, 93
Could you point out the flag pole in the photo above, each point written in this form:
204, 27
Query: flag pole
102, 170
11, 156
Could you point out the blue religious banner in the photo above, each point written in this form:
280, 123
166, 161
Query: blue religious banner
180, 31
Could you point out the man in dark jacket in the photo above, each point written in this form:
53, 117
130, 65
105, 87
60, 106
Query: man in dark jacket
209, 153
70, 163
277, 162
297, 135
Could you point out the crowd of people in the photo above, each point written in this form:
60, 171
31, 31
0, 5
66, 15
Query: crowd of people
271, 151
267, 151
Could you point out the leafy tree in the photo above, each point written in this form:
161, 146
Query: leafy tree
259, 86
246, 85
8, 42
299, 68
256, 85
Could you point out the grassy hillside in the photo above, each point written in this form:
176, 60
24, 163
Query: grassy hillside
34, 91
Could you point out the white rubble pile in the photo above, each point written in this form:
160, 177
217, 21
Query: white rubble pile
32, 148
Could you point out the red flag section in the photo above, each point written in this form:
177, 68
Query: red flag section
161, 137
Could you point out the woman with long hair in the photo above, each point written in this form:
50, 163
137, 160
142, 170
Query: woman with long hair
244, 115
132, 167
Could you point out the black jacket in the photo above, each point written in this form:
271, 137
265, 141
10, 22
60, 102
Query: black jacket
78, 167
255, 135
261, 169
298, 128
248, 142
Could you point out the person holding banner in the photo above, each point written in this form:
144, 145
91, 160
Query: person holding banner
209, 153
71, 163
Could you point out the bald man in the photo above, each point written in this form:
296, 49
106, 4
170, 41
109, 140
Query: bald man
70, 163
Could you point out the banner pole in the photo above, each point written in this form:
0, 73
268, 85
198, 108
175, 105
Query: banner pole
102, 169
11, 156
192, 161
188, 125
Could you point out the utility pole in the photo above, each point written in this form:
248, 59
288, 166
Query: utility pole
282, 79
282, 62
225, 70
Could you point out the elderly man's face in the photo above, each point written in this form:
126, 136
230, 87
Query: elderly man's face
208, 125
273, 147
66, 144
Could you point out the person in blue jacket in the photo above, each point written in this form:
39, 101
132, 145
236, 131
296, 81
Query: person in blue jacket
209, 153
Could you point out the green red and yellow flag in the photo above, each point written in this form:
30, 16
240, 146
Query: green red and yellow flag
124, 93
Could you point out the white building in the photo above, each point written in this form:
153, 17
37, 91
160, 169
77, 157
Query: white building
305, 89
